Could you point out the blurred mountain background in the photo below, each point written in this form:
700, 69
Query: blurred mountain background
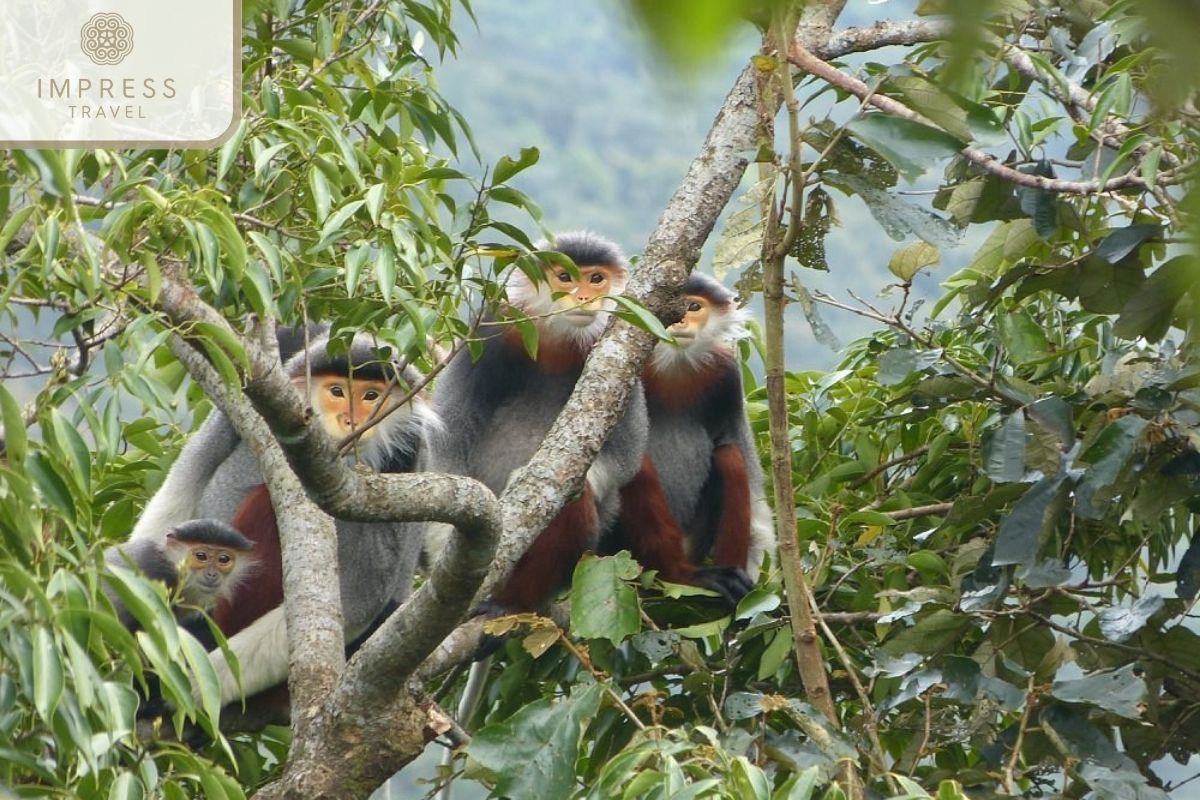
617, 128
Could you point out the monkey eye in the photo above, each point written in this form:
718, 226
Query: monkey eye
200, 555
564, 276
597, 277
337, 391
371, 395
224, 559
693, 307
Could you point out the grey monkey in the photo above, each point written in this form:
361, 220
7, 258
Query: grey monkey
498, 408
216, 473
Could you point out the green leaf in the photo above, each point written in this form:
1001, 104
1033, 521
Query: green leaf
908, 261
1119, 244
1149, 313
13, 225
605, 606
748, 781
932, 634
1055, 416
269, 252
385, 272
1021, 531
230, 149
506, 167
961, 118
15, 438
203, 675
263, 161
638, 315
51, 484
532, 754
1039, 204
898, 363
331, 231
1121, 691
375, 201
321, 193
126, 787
910, 147
47, 674
1023, 338
1108, 456
71, 444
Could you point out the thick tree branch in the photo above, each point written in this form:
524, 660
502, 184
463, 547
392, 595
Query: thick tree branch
431, 613
883, 34
313, 603
803, 58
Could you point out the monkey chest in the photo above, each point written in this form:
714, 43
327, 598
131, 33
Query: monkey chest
682, 450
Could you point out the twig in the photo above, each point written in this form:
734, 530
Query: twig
900, 459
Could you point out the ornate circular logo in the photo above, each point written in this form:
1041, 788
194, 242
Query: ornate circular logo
106, 38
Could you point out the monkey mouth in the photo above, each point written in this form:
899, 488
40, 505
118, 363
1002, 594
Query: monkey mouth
581, 317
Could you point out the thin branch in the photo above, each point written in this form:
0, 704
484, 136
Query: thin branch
805, 60
885, 466
934, 509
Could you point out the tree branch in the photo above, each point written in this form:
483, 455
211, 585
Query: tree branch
883, 34
805, 60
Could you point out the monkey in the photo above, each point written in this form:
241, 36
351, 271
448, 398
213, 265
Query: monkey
216, 475
699, 491
203, 560
498, 408
377, 560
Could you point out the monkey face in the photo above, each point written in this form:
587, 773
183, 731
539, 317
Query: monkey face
695, 318
581, 300
208, 568
345, 404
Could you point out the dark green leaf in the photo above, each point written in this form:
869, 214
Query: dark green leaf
1108, 456
1039, 204
938, 631
910, 147
51, 484
1150, 311
1006, 450
532, 754
1119, 244
1054, 415
1020, 535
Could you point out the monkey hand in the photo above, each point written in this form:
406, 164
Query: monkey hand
732, 583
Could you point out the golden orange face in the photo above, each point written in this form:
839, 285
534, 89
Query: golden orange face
594, 283
344, 405
695, 317
202, 558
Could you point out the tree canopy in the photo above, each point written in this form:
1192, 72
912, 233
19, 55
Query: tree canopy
987, 568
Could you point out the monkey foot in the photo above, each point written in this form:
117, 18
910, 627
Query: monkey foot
732, 583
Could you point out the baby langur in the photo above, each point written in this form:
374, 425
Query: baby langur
203, 560
212, 558
699, 493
